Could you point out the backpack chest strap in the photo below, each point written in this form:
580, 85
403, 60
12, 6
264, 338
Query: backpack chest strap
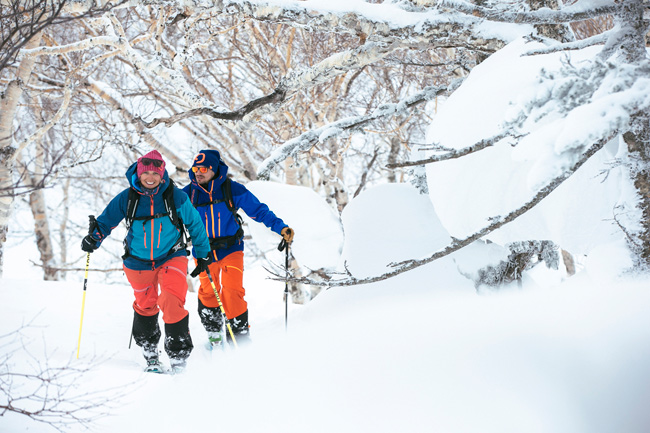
208, 203
144, 219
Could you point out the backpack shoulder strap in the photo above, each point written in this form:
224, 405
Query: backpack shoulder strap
226, 188
168, 199
131, 206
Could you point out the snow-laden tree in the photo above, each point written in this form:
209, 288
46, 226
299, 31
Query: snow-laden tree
322, 94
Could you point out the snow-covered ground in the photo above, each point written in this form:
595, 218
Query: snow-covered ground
422, 352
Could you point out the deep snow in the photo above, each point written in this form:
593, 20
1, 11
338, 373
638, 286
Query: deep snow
424, 351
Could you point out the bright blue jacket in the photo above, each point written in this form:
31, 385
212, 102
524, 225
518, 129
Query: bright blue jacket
218, 219
150, 242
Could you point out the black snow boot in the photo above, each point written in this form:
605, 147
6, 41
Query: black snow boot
240, 328
211, 318
146, 334
178, 342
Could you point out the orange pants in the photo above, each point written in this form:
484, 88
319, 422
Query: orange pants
228, 277
170, 277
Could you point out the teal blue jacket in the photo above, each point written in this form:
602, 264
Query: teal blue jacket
150, 242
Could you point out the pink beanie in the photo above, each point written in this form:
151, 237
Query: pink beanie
151, 159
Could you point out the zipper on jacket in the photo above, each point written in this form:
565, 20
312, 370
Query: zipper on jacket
153, 228
159, 234
212, 217
219, 226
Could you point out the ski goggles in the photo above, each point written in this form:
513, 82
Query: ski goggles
155, 162
200, 169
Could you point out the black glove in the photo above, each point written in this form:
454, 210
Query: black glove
89, 244
201, 266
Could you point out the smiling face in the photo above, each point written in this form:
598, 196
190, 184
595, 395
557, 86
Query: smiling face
150, 179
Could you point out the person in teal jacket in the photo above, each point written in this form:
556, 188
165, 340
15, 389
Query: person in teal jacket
155, 261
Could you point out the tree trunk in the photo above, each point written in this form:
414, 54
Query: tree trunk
569, 263
638, 142
8, 108
633, 29
63, 244
41, 225
395, 146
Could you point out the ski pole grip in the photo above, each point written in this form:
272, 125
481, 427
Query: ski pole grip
92, 225
282, 245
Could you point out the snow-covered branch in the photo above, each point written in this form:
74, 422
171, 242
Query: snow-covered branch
36, 136
576, 45
327, 69
307, 140
428, 26
579, 11
452, 153
496, 222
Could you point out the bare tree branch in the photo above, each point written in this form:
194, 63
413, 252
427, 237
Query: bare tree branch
21, 20
52, 394
305, 141
329, 68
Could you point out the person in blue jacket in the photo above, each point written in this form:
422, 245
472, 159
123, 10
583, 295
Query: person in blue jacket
217, 199
155, 260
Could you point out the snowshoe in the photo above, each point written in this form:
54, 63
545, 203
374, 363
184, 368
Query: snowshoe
154, 366
177, 366
215, 340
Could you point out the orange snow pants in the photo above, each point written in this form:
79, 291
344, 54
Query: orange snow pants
228, 277
170, 278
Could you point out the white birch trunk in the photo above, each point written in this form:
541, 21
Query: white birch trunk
41, 225
8, 108
63, 245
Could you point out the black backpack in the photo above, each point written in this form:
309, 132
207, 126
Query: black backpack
226, 241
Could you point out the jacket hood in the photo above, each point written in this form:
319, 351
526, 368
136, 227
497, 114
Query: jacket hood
134, 182
212, 159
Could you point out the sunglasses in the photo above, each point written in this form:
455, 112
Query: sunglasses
155, 162
201, 169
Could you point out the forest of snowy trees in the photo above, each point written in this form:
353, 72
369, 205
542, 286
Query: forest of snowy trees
331, 95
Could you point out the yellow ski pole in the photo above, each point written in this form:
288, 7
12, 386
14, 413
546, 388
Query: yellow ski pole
214, 289
83, 302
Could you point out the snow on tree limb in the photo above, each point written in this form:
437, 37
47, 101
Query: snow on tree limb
327, 69
577, 45
429, 26
579, 11
306, 141
457, 244
453, 153
67, 95
119, 41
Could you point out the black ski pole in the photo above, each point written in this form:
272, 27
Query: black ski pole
284, 245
